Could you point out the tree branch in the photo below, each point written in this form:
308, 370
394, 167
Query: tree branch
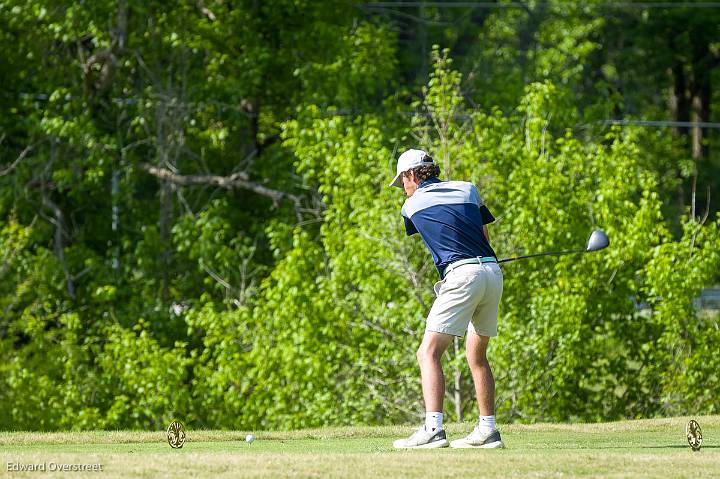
12, 166
235, 181
105, 60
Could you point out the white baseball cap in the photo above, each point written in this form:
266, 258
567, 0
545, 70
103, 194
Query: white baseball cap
407, 161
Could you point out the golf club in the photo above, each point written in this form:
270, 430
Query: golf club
598, 240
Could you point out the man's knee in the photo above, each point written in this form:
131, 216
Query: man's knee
429, 352
476, 359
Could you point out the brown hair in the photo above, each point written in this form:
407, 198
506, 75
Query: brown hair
425, 172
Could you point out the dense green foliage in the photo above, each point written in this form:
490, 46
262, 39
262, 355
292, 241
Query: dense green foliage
195, 220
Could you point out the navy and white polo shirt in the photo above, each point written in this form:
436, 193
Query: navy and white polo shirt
449, 215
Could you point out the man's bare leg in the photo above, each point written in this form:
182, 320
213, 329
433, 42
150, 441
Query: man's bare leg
485, 435
433, 381
431, 434
476, 350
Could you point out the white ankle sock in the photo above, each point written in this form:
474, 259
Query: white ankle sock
487, 424
433, 420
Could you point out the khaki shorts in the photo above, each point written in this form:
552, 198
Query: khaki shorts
467, 300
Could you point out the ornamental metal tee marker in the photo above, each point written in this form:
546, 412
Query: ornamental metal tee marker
176, 434
694, 435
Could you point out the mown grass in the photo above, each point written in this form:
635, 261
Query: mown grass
646, 448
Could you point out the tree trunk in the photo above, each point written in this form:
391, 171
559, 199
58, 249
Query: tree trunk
59, 243
701, 93
526, 36
678, 98
701, 89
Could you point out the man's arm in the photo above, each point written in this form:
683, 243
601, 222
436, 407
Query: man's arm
485, 214
410, 228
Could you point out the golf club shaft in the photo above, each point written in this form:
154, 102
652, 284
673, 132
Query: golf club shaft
552, 253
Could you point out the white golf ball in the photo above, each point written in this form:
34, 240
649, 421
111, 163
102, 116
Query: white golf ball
250, 438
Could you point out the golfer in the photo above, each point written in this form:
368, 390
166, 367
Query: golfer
451, 219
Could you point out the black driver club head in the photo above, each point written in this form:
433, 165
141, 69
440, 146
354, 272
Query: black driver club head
598, 240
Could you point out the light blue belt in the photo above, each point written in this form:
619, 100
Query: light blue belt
476, 260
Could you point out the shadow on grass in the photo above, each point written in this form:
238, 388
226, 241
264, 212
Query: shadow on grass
672, 446
679, 447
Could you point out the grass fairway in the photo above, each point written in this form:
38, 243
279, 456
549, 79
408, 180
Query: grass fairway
647, 448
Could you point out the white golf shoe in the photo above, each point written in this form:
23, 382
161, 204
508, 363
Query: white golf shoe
478, 440
423, 439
